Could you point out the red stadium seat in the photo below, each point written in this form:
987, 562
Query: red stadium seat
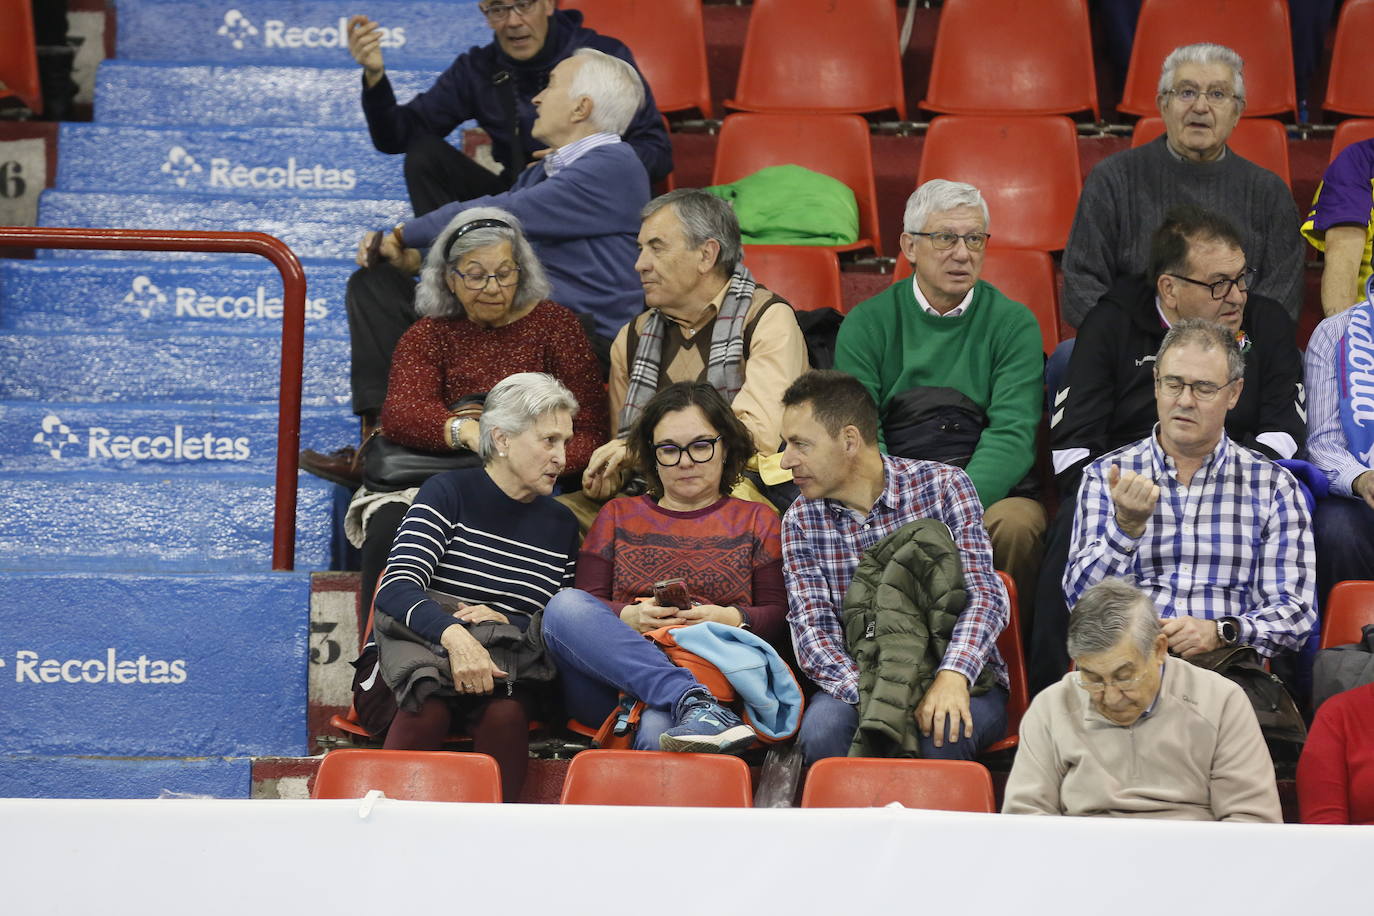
409, 775
668, 42
1349, 608
1009, 57
18, 56
807, 277
1263, 141
606, 777
821, 56
1009, 645
835, 145
871, 782
1024, 275
1026, 168
1352, 131
1348, 87
1257, 30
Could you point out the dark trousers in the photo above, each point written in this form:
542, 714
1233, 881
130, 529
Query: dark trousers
381, 305
1343, 530
437, 174
1049, 653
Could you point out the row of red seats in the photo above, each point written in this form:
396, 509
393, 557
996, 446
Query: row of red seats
992, 57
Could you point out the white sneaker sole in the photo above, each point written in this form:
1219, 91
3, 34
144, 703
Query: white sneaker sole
731, 741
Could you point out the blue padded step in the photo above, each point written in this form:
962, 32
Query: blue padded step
212, 296
296, 31
252, 162
37, 437
132, 369
100, 777
179, 523
126, 664
312, 228
160, 94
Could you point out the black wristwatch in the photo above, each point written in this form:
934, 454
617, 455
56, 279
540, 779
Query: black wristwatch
1228, 631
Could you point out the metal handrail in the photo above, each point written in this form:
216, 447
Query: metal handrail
292, 333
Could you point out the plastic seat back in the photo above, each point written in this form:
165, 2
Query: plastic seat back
1263, 141
609, 777
409, 775
1026, 168
668, 42
821, 56
1349, 608
1349, 89
1009, 645
1029, 58
18, 55
871, 782
806, 276
1352, 131
1257, 30
835, 145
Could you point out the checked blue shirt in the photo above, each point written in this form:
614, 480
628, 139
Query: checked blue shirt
1236, 542
823, 541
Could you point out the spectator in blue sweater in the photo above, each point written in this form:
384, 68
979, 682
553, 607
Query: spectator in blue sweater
580, 210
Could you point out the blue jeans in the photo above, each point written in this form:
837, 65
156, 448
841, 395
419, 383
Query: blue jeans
599, 657
828, 728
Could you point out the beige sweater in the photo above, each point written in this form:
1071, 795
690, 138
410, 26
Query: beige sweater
1198, 755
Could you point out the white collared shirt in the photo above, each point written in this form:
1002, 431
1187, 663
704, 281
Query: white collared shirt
925, 305
565, 156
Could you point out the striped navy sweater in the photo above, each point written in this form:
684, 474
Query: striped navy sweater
464, 537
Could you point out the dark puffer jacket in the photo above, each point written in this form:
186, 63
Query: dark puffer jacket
899, 614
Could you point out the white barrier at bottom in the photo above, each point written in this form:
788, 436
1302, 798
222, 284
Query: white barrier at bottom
212, 857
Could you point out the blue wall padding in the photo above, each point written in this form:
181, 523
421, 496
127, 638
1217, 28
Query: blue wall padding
154, 523
295, 32
250, 162
321, 228
230, 678
94, 777
129, 92
130, 368
192, 439
239, 294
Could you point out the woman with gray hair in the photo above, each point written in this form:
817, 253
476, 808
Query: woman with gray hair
478, 545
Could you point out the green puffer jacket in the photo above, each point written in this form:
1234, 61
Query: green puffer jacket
898, 616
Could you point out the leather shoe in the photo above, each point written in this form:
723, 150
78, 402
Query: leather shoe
340, 466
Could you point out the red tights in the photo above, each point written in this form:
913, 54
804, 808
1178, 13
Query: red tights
498, 726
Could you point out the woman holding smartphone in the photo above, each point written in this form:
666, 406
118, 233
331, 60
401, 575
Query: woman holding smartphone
726, 552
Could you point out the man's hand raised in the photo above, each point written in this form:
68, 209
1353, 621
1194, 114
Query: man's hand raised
1134, 496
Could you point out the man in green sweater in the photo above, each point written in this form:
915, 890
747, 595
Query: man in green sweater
956, 369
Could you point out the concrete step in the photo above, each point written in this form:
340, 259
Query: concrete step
169, 523
309, 32
130, 368
215, 296
312, 228
171, 94
184, 439
135, 665
250, 162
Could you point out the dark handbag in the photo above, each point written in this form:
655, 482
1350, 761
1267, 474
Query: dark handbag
389, 466
1342, 668
1279, 719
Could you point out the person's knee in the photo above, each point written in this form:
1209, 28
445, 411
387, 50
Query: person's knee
569, 612
1016, 521
424, 151
506, 715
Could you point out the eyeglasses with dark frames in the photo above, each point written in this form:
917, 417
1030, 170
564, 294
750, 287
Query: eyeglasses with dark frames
700, 451
1222, 288
943, 241
497, 13
1173, 386
477, 281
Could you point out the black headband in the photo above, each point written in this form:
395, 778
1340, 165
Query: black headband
469, 227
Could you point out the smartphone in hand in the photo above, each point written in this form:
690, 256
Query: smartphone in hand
672, 593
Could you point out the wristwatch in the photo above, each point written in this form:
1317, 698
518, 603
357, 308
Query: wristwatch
1228, 631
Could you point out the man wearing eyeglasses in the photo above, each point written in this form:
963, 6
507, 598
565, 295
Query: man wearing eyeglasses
1134, 732
1198, 269
1201, 98
956, 369
1217, 535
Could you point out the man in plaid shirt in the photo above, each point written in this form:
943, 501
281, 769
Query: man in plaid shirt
853, 496
1219, 537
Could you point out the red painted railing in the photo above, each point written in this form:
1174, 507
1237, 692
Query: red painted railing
292, 332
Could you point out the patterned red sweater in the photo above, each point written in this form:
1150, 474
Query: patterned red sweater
730, 553
439, 360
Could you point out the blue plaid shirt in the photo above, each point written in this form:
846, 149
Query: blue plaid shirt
1236, 542
823, 541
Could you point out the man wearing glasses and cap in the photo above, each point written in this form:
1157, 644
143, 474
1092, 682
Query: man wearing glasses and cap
1134, 732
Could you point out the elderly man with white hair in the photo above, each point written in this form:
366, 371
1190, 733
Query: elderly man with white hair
1137, 732
1201, 98
956, 369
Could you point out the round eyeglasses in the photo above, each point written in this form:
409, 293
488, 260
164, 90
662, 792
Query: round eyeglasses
477, 281
700, 451
497, 13
1222, 288
943, 241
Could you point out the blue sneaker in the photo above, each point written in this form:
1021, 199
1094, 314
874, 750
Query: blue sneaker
705, 727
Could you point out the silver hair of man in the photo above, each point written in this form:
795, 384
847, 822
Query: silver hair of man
433, 298
1205, 335
936, 196
1204, 54
1107, 612
515, 403
614, 87
704, 216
